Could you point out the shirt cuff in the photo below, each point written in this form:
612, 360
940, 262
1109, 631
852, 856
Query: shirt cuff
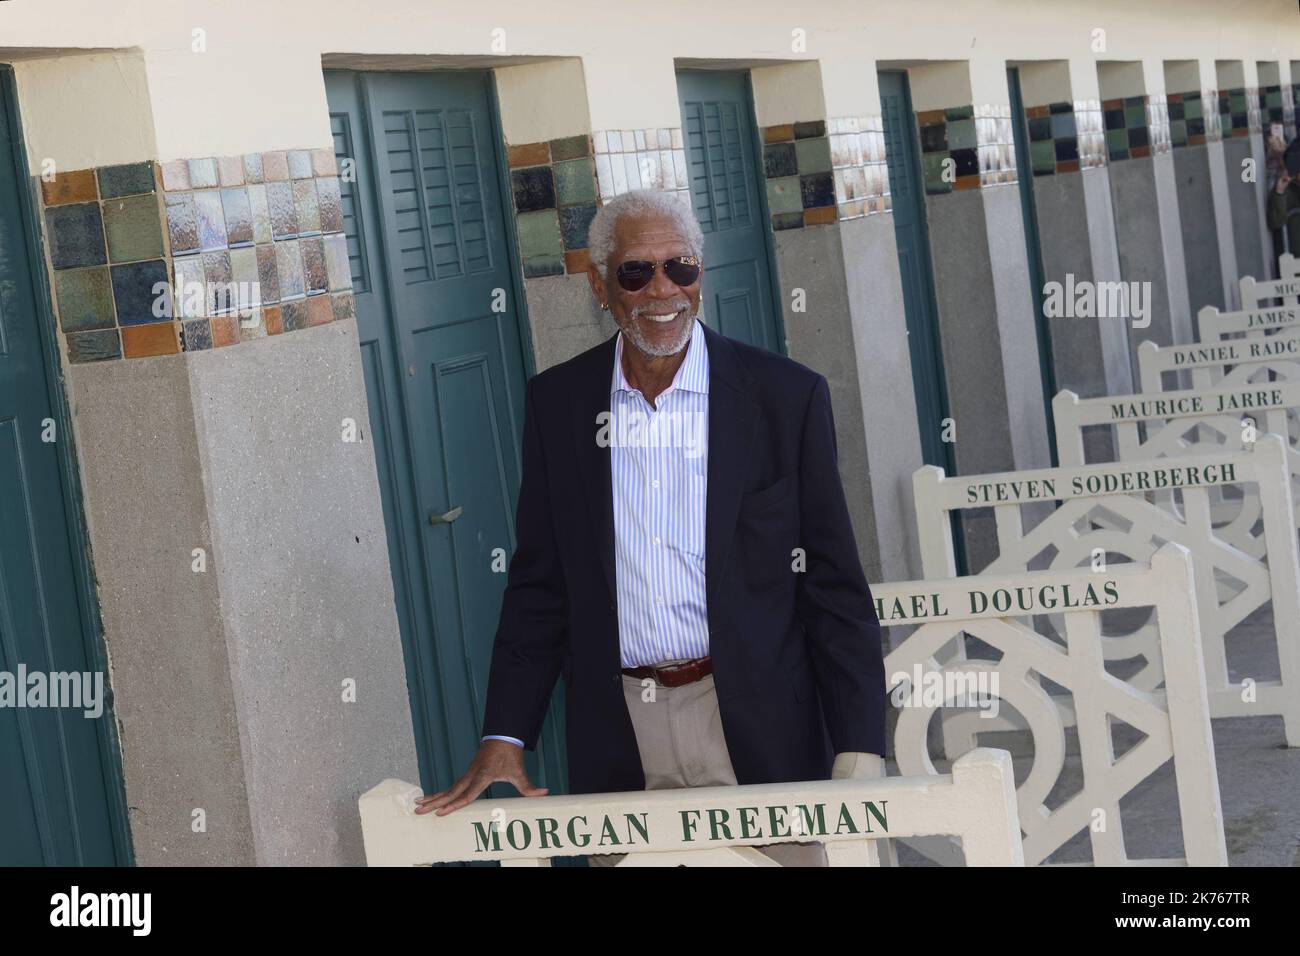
514, 740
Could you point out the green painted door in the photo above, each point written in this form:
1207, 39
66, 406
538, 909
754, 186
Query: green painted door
1033, 249
61, 801
727, 192
916, 270
442, 343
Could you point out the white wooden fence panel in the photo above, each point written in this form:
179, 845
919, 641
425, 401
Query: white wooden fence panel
976, 802
1183, 423
1106, 509
1176, 724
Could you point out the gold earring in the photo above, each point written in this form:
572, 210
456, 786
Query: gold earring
604, 306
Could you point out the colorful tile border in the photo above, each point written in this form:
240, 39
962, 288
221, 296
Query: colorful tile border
1238, 112
799, 175
858, 165
148, 259
1136, 126
555, 197
1190, 123
1066, 137
966, 147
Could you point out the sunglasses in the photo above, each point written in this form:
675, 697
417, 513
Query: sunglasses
636, 274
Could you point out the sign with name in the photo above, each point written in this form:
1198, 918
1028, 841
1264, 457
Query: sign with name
1060, 484
1228, 352
969, 598
975, 802
1215, 324
1072, 412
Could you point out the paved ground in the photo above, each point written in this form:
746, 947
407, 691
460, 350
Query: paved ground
1259, 778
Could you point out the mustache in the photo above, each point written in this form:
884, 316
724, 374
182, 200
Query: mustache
676, 305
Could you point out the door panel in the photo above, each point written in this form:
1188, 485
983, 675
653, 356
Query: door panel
739, 298
426, 225
60, 792
915, 268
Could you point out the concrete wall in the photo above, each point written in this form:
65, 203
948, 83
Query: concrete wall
1200, 238
301, 560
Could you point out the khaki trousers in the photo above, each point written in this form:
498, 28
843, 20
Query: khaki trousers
679, 735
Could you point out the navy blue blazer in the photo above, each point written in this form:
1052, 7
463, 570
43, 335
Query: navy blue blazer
797, 659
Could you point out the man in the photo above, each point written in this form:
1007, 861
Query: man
684, 556
1284, 200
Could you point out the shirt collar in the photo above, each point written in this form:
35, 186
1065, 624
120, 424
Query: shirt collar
692, 375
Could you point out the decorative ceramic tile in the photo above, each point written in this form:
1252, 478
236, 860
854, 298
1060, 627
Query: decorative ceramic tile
1236, 107
238, 213
858, 158
950, 157
241, 234
1191, 123
203, 174
69, 187
84, 298
1066, 137
94, 346
182, 223
1127, 133
639, 159
158, 338
133, 179
995, 145
196, 335
211, 218
813, 171
141, 292
76, 235
133, 228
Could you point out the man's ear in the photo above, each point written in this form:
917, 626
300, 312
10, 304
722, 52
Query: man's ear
597, 283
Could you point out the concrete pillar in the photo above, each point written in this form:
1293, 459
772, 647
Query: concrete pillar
1144, 200
1076, 223
237, 539
1243, 157
824, 259
1203, 208
986, 308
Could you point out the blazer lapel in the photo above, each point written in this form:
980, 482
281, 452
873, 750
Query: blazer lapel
590, 400
733, 421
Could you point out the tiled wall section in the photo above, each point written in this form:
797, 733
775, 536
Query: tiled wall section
554, 189
976, 139
858, 163
1238, 111
1272, 107
1190, 123
799, 175
1065, 137
244, 247
1136, 126
630, 159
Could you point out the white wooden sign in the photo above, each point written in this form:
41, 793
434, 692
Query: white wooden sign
1106, 514
1189, 422
1259, 322
1219, 364
708, 826
1287, 289
1176, 724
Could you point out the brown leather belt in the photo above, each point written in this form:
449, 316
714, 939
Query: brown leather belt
673, 675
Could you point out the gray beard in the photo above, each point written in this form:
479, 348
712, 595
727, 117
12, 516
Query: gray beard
633, 332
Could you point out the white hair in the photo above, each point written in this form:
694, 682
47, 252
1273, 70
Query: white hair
641, 202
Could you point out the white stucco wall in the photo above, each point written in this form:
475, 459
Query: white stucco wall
257, 84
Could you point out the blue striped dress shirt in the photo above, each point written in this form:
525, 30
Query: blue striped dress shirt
659, 470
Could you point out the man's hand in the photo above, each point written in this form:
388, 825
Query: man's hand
1283, 181
496, 760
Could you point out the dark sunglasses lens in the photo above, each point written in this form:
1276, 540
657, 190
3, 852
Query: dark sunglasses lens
682, 271
636, 274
